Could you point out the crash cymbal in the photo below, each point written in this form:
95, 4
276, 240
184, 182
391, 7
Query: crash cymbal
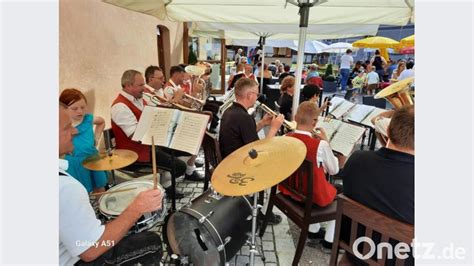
102, 162
395, 87
274, 159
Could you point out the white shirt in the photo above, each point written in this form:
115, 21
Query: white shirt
79, 228
123, 116
372, 78
324, 155
346, 61
407, 73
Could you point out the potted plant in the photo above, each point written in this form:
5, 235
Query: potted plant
329, 81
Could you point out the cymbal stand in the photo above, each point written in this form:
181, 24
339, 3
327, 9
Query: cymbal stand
108, 150
253, 244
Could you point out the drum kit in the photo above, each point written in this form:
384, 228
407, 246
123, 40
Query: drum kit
213, 227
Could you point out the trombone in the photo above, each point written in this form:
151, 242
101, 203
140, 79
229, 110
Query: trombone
289, 125
158, 100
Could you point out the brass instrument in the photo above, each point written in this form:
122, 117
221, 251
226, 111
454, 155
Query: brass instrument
227, 102
398, 94
289, 125
163, 101
198, 96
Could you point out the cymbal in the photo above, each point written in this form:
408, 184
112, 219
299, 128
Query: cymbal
276, 159
395, 87
102, 162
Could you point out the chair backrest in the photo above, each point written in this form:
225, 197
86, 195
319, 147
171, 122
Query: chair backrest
374, 221
212, 154
109, 139
300, 183
369, 100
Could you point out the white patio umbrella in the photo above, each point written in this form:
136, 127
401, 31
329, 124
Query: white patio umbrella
374, 12
338, 48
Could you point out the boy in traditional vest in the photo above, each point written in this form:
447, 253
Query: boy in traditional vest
320, 153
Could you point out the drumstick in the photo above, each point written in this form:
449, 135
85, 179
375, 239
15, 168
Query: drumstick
153, 159
111, 192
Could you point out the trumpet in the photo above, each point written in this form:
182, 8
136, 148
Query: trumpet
227, 102
289, 125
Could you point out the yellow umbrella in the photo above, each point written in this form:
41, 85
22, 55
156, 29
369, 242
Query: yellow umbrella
381, 43
408, 41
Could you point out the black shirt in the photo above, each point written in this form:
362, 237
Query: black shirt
237, 129
284, 75
286, 104
383, 180
235, 79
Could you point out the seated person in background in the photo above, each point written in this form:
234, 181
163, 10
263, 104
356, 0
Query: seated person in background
313, 72
319, 152
82, 237
248, 72
283, 75
396, 73
267, 74
285, 102
238, 128
125, 113
408, 72
84, 141
155, 79
235, 77
312, 93
280, 70
384, 180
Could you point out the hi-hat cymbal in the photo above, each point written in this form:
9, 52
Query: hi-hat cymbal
102, 162
276, 159
395, 87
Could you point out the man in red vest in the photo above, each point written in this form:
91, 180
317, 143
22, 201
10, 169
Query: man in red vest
320, 153
125, 113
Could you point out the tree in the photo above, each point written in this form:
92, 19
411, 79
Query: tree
192, 58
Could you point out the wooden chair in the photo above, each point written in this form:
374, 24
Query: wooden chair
212, 156
301, 215
374, 221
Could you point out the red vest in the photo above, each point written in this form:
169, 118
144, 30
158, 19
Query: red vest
323, 192
121, 139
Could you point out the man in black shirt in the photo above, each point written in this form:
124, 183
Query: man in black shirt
285, 74
238, 128
384, 179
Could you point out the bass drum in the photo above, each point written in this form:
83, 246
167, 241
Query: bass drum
211, 230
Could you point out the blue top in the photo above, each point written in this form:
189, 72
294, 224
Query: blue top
84, 147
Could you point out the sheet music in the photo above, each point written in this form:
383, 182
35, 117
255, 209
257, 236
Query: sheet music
359, 112
335, 102
330, 127
345, 138
189, 132
156, 122
343, 108
373, 114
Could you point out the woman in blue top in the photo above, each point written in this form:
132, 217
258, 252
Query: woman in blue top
84, 141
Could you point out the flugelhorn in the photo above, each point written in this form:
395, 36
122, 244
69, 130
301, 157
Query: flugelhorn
158, 100
289, 125
398, 93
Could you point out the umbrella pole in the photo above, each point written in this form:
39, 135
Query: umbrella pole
263, 59
304, 6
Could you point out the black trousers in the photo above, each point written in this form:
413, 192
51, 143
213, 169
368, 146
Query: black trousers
144, 248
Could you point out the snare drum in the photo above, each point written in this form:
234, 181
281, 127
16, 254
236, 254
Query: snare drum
112, 205
211, 230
